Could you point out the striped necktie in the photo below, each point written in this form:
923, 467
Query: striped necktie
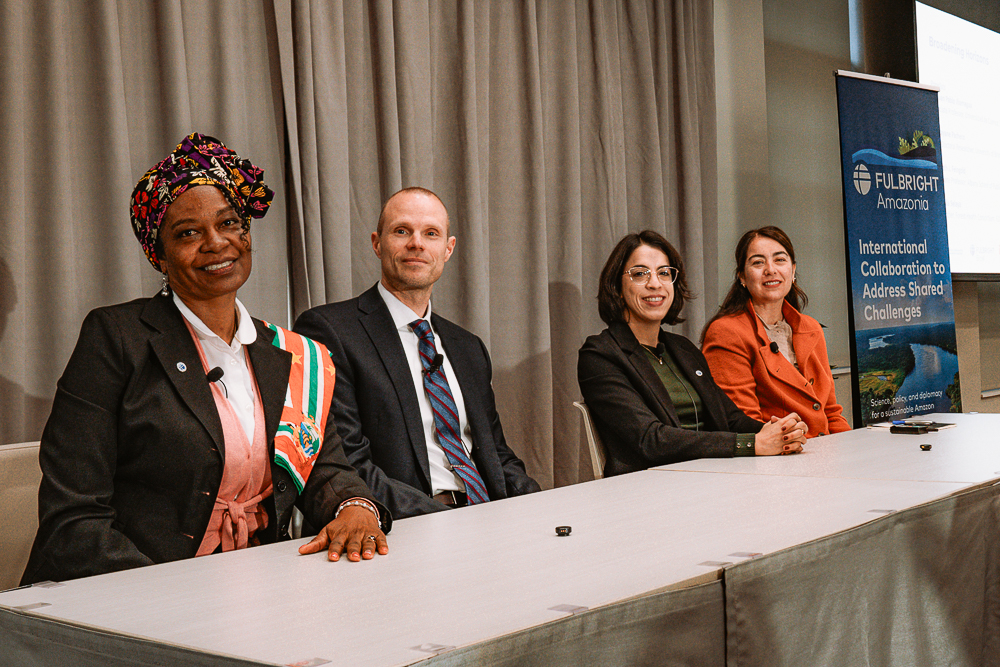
446, 415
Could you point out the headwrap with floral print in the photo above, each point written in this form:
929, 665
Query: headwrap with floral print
197, 160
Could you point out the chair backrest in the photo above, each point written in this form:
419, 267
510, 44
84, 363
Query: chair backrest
19, 479
598, 454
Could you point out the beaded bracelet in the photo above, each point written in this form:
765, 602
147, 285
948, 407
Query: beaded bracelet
359, 502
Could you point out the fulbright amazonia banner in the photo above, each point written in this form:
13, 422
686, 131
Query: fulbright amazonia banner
902, 315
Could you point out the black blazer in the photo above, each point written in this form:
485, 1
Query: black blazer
132, 454
376, 411
632, 410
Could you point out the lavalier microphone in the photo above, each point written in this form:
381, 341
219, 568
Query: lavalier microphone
215, 375
436, 363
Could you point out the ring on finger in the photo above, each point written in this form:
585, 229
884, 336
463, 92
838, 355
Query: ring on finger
371, 537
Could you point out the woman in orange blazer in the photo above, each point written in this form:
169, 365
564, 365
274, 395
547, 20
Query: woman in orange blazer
765, 354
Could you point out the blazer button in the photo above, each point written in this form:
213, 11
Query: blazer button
816, 406
281, 484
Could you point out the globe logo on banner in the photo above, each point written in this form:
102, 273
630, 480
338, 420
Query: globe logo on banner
902, 316
862, 179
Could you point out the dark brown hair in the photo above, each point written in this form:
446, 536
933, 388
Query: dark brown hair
610, 303
738, 296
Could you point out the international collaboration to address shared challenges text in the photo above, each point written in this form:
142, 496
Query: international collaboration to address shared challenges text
888, 268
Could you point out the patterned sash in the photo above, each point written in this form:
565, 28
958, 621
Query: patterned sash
307, 402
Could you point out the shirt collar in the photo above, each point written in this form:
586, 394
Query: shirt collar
402, 315
246, 332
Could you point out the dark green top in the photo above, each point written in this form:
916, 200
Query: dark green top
686, 400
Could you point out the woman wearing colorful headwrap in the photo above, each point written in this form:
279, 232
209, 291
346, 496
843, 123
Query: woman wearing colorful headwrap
182, 426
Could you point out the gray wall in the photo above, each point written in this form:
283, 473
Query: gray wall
779, 164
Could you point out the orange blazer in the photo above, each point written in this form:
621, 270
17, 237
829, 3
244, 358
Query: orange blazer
764, 383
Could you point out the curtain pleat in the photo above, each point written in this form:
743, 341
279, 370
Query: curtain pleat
94, 93
549, 129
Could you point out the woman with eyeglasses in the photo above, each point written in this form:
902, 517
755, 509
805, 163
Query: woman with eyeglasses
650, 393
769, 357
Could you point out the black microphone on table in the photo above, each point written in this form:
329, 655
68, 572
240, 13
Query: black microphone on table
435, 364
215, 375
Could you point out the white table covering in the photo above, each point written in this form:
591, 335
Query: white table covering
968, 453
462, 577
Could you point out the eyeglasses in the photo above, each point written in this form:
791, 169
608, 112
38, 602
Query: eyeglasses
640, 274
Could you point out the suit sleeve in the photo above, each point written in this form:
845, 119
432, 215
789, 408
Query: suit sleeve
730, 357
515, 475
345, 425
77, 534
332, 481
736, 419
625, 421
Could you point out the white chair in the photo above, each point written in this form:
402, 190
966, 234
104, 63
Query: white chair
19, 479
598, 455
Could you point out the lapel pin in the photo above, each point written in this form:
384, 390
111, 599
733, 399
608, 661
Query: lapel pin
698, 373
181, 366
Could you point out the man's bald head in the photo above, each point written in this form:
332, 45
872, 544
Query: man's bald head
412, 190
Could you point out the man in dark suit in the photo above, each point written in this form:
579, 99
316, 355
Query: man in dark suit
414, 404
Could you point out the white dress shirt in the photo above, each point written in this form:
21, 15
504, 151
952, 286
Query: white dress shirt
442, 476
231, 358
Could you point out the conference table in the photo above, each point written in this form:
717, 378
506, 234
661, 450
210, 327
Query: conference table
968, 453
724, 561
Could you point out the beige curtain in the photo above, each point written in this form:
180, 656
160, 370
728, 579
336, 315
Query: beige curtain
93, 94
549, 128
